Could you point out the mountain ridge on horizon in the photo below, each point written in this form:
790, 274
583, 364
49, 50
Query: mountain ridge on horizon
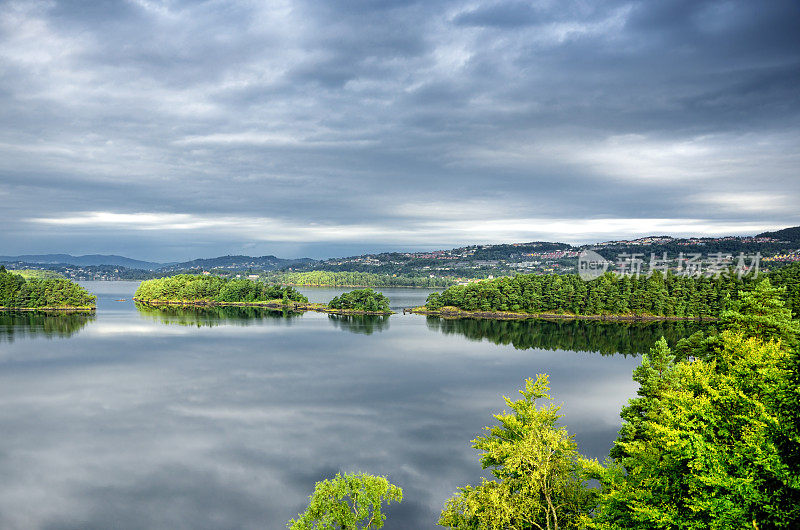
271, 262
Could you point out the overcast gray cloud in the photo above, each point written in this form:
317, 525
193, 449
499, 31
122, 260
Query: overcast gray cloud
170, 130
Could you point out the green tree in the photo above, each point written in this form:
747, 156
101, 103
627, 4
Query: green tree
701, 452
789, 277
348, 501
654, 376
761, 312
540, 473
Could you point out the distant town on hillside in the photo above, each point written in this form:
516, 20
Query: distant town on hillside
470, 262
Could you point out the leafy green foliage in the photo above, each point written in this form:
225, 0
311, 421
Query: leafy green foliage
789, 277
209, 288
653, 376
761, 312
698, 446
540, 479
16, 291
713, 443
348, 501
361, 300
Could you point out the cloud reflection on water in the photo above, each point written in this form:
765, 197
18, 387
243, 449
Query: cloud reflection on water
134, 423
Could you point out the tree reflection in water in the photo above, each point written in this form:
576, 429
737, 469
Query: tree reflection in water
27, 324
212, 315
606, 338
364, 324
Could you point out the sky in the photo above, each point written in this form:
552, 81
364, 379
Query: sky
170, 130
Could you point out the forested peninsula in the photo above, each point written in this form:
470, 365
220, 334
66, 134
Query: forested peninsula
19, 293
610, 297
356, 279
209, 290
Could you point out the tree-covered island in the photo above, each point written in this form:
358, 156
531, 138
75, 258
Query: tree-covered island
361, 300
19, 293
210, 290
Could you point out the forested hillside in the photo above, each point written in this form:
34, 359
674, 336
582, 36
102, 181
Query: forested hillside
355, 279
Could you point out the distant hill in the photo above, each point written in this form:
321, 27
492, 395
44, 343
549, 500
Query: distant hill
787, 234
474, 261
266, 263
89, 259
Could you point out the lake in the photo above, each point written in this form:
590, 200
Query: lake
226, 418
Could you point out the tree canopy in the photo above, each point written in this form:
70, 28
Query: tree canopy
540, 477
657, 295
348, 501
31, 293
361, 300
210, 288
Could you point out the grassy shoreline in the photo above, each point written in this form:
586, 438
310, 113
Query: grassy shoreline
271, 304
452, 312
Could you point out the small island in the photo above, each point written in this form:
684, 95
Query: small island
364, 301
18, 293
209, 290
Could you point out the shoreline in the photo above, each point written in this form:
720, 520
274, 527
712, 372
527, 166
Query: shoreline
293, 306
68, 309
510, 315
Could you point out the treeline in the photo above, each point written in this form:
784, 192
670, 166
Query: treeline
355, 279
659, 295
18, 292
202, 288
606, 338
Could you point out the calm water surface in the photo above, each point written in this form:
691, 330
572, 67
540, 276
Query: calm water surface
226, 418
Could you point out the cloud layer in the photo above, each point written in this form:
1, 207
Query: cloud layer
324, 128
